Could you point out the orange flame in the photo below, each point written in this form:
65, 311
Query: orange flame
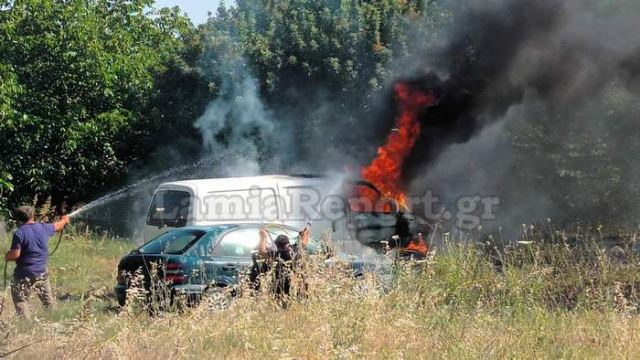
418, 245
385, 171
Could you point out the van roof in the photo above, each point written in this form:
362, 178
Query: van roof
246, 181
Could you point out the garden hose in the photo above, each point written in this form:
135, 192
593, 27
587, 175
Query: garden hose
4, 286
59, 241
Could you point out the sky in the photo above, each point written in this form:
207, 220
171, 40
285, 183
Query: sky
196, 9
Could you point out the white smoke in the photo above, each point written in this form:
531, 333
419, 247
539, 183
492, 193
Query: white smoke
239, 127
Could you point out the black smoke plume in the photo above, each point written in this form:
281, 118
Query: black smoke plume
535, 103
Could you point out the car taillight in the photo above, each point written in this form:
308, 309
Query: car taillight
173, 273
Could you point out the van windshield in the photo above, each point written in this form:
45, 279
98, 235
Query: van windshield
170, 208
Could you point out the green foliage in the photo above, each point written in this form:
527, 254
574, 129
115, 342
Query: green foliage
91, 88
338, 46
319, 64
77, 76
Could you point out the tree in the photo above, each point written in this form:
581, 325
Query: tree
318, 63
82, 73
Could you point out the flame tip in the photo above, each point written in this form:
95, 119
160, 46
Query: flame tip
385, 171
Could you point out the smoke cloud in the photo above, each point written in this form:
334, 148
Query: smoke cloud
238, 127
558, 82
537, 104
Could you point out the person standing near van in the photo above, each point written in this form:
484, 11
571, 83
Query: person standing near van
283, 258
30, 251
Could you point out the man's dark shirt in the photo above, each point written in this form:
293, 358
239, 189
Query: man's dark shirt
284, 262
33, 242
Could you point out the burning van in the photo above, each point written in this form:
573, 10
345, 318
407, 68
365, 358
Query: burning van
345, 209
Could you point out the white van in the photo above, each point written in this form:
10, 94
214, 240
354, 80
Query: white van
326, 202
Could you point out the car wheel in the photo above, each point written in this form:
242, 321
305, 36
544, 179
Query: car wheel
217, 297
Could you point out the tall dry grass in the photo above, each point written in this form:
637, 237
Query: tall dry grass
555, 299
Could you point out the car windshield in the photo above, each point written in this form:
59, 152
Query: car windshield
172, 242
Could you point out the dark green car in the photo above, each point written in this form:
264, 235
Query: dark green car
190, 260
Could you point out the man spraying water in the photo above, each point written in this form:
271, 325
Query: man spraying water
30, 251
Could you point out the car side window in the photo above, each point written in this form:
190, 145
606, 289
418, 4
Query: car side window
241, 243
204, 247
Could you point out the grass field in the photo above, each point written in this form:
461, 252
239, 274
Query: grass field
547, 301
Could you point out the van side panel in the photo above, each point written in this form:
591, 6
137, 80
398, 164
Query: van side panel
240, 205
316, 202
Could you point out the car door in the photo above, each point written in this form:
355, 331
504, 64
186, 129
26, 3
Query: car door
231, 255
204, 266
